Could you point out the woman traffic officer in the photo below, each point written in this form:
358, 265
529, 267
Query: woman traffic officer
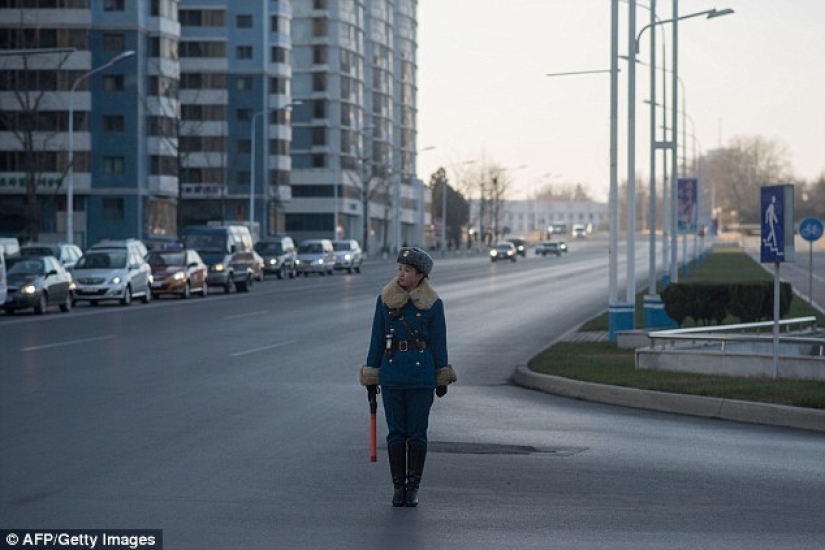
407, 357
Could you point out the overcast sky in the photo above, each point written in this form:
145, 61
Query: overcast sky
483, 89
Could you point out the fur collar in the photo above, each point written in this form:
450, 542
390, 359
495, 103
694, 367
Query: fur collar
423, 296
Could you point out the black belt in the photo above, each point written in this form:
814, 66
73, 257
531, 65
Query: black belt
408, 345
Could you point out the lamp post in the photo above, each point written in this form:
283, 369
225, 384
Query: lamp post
70, 175
289, 105
674, 242
673, 144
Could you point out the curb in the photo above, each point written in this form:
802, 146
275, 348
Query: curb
692, 405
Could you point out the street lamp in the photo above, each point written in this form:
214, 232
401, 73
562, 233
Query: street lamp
289, 105
674, 252
634, 46
70, 175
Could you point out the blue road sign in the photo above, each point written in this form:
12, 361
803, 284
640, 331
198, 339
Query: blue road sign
777, 224
810, 229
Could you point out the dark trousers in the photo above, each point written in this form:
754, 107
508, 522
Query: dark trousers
408, 414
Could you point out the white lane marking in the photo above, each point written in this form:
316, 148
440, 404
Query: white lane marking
250, 314
265, 348
69, 343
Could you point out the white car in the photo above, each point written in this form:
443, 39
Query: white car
348, 255
112, 274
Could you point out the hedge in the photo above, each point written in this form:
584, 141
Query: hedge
708, 302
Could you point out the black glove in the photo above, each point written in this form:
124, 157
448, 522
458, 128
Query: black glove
441, 391
372, 391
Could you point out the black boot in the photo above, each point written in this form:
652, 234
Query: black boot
415, 467
398, 466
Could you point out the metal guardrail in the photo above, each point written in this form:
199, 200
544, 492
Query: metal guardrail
724, 334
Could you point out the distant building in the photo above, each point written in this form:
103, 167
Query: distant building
535, 219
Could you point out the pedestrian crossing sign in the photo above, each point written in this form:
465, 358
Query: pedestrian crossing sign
776, 220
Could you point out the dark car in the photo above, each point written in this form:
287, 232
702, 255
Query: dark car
37, 282
549, 247
279, 256
178, 272
521, 246
504, 251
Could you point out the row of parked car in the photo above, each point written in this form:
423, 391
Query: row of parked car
44, 275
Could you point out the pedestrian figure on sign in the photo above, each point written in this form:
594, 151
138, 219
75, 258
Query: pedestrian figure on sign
407, 358
771, 220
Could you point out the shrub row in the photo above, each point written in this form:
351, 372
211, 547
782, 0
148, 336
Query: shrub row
708, 303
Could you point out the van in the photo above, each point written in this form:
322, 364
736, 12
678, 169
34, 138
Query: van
316, 256
9, 246
227, 251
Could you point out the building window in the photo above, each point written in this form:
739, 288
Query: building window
243, 21
319, 135
319, 26
243, 83
114, 165
319, 109
319, 55
244, 146
278, 85
114, 42
113, 209
113, 123
243, 114
113, 82
319, 4
114, 5
202, 18
243, 52
279, 24
279, 55
319, 82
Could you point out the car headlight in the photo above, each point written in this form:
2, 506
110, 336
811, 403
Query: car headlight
319, 261
179, 276
219, 267
273, 261
28, 289
116, 280
493, 253
347, 257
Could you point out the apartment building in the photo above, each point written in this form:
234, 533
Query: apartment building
354, 134
51, 67
299, 115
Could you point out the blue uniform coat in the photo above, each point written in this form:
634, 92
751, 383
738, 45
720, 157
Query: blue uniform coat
423, 310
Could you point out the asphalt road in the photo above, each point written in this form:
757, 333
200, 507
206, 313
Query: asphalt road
236, 422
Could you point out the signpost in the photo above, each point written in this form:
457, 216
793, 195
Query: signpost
810, 229
776, 244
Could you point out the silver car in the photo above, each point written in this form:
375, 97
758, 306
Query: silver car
315, 256
348, 255
112, 274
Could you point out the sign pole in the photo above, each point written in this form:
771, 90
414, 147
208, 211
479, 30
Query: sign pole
776, 320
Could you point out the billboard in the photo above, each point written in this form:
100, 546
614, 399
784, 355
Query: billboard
686, 205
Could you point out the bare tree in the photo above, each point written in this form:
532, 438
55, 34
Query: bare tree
26, 79
739, 170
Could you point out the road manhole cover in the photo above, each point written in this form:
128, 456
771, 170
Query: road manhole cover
498, 449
